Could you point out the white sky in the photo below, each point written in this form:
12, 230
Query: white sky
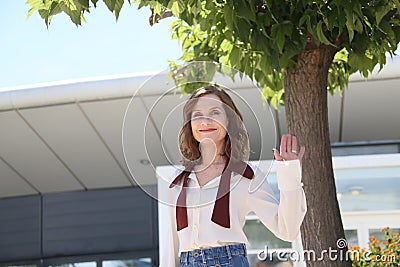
30, 53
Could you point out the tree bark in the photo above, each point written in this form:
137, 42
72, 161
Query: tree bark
307, 118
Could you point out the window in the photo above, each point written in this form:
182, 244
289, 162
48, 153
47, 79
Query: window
77, 264
260, 237
143, 262
351, 237
265, 248
378, 234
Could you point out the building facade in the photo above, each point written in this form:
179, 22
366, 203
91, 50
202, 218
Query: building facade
78, 163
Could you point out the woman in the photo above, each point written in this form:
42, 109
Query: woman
217, 189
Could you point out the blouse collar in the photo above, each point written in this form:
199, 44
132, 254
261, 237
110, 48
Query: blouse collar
220, 214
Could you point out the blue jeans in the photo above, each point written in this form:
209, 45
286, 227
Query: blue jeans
224, 256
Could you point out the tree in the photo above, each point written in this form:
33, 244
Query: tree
307, 47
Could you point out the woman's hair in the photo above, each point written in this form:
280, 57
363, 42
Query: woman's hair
236, 140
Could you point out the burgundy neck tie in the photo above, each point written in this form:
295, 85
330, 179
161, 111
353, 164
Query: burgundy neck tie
220, 213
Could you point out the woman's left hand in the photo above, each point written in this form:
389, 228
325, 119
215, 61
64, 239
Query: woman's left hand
289, 149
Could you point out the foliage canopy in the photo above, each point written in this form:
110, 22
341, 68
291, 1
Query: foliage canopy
263, 37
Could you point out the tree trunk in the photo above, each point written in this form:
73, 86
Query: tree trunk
307, 118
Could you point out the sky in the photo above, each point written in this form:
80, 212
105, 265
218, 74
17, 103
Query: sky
32, 53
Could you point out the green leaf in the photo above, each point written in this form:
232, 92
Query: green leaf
244, 10
70, 8
350, 24
280, 41
305, 18
359, 26
274, 100
35, 6
286, 61
280, 31
243, 28
234, 57
226, 46
94, 2
54, 9
75, 17
114, 6
84, 3
30, 12
321, 35
380, 12
228, 15
177, 7
45, 15
360, 43
361, 62
195, 9
245, 65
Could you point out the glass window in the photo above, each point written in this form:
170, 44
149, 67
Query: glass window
143, 262
260, 237
351, 237
366, 188
264, 246
76, 264
378, 234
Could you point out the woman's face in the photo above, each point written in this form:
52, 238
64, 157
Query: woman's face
209, 120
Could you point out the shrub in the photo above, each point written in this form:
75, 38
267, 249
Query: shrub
381, 253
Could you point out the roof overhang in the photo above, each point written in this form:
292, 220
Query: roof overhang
69, 135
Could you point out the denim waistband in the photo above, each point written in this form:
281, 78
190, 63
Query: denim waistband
213, 253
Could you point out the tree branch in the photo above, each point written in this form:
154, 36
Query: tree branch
153, 19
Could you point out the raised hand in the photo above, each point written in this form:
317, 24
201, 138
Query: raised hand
289, 149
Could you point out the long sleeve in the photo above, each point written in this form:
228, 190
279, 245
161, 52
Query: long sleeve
283, 218
168, 236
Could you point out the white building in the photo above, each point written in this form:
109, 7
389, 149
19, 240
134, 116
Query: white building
67, 194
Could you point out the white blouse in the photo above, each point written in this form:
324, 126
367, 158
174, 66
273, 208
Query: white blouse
282, 218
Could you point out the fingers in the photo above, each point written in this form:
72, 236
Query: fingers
277, 155
301, 153
288, 143
283, 147
294, 144
289, 149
